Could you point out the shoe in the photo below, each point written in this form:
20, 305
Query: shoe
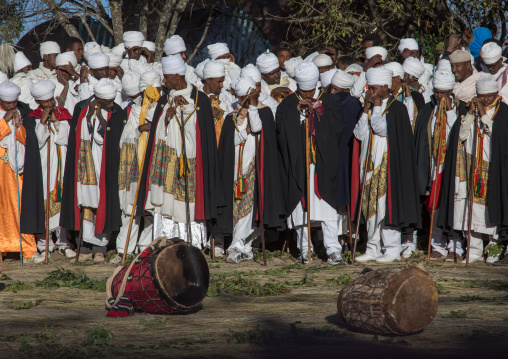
472, 259
492, 259
436, 256
386, 258
234, 256
453, 257
37, 258
304, 258
502, 262
98, 258
117, 259
67, 252
335, 259
83, 258
247, 256
365, 258
407, 253
218, 252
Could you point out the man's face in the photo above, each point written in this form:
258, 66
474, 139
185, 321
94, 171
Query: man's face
487, 99
134, 52
8, 105
47, 103
411, 81
324, 68
379, 90
366, 44
462, 70
63, 73
170, 81
101, 73
112, 73
77, 47
183, 54
106, 104
49, 61
439, 94
307, 94
334, 89
283, 56
396, 84
26, 69
341, 66
215, 84
258, 87
495, 67
330, 51
273, 77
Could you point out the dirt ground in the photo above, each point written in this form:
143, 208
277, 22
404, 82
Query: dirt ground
472, 318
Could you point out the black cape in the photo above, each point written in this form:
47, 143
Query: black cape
291, 141
69, 215
423, 143
351, 109
273, 209
213, 192
497, 191
418, 99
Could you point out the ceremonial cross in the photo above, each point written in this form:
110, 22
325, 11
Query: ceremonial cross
5, 157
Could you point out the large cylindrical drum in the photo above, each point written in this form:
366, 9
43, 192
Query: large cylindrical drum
398, 301
173, 277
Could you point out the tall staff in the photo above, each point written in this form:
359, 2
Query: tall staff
307, 173
48, 179
471, 181
19, 204
186, 174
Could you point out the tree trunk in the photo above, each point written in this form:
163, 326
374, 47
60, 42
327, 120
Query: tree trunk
164, 18
143, 19
115, 7
62, 19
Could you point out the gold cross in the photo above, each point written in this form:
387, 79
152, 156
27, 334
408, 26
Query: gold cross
5, 157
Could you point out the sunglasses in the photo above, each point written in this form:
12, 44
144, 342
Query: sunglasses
491, 66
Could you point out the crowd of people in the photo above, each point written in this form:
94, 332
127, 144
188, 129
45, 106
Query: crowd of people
100, 144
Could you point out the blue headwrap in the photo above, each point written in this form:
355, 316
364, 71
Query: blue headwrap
479, 36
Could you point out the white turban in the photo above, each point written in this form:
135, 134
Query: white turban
322, 60
9, 91
486, 85
3, 77
20, 61
459, 56
444, 65
130, 83
410, 44
491, 53
353, 68
98, 60
311, 56
149, 45
326, 77
151, 78
217, 49
214, 69
139, 66
90, 49
114, 59
43, 90
306, 75
243, 85
49, 47
267, 62
252, 71
133, 39
413, 67
199, 68
105, 49
118, 50
105, 89
379, 76
376, 50
290, 65
343, 80
173, 64
174, 45
66, 57
396, 68
443, 80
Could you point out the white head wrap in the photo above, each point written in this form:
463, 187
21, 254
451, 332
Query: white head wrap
252, 71
443, 80
487, 85
20, 61
326, 77
343, 80
217, 49
491, 53
174, 45
105, 49
139, 66
290, 65
133, 39
214, 69
118, 50
130, 83
98, 60
3, 77
459, 56
396, 68
173, 64
114, 60
9, 91
91, 48
413, 67
149, 45
65, 57
243, 84
322, 60
199, 68
105, 89
410, 44
353, 68
43, 90
267, 62
376, 50
151, 78
311, 56
443, 65
306, 75
379, 76
49, 47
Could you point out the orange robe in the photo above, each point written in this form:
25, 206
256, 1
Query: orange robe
9, 226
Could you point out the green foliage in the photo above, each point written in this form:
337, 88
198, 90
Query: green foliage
440, 288
460, 314
156, 322
493, 250
11, 20
67, 278
25, 305
5, 277
342, 279
18, 286
221, 284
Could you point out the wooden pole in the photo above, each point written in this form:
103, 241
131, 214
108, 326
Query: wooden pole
471, 184
348, 207
186, 179
19, 209
307, 171
260, 199
48, 195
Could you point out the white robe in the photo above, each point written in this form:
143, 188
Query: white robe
42, 73
24, 81
16, 150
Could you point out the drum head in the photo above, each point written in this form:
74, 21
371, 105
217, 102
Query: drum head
181, 273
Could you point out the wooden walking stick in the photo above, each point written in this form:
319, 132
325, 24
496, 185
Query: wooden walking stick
260, 200
471, 183
186, 179
48, 195
19, 209
307, 172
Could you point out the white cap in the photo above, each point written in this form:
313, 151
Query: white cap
343, 80
133, 39
149, 45
491, 53
326, 77
290, 65
151, 78
396, 68
214, 69
174, 45
251, 71
98, 60
21, 61
267, 62
322, 60
306, 75
243, 84
217, 49
65, 57
443, 80
105, 49
49, 47
42, 90
105, 89
114, 59
9, 91
199, 68
353, 68
487, 85
130, 83
376, 50
173, 64
90, 48
413, 67
118, 50
409, 43
379, 76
